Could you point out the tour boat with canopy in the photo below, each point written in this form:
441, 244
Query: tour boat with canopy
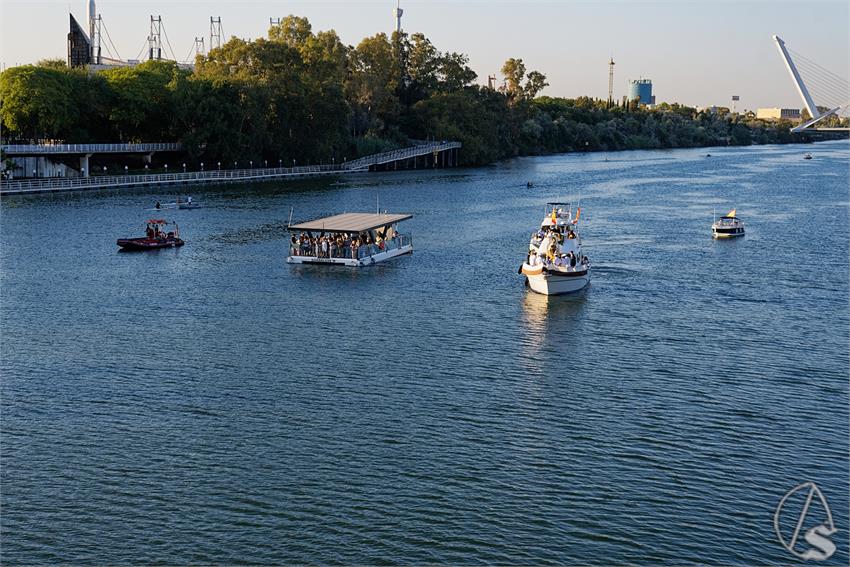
156, 236
728, 226
555, 263
349, 239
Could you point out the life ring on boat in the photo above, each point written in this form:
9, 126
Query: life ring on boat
535, 271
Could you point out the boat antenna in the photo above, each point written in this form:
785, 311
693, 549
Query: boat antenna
377, 204
289, 224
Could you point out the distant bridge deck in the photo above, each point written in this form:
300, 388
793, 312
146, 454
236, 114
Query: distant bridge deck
362, 165
22, 150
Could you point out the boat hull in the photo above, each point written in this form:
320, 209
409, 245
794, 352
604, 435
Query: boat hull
137, 244
727, 233
549, 282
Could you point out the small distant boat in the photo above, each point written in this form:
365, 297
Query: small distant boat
188, 205
555, 263
807, 156
728, 226
707, 155
178, 204
160, 206
156, 236
529, 185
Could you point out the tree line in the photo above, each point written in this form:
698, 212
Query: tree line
305, 97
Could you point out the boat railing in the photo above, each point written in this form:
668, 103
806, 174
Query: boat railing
361, 252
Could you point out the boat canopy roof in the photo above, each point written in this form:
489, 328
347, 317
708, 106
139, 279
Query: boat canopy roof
157, 221
557, 204
350, 222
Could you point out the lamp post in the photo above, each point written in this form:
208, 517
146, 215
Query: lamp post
126, 169
250, 164
265, 163
202, 166
219, 166
35, 173
234, 165
184, 167
280, 163
146, 168
166, 169
104, 170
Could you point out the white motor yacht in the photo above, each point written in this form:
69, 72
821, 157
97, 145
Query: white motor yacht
555, 263
728, 226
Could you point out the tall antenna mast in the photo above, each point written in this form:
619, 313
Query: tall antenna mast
199, 46
95, 40
397, 13
215, 33
611, 82
155, 39
91, 18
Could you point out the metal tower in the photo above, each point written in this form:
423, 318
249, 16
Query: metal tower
155, 39
611, 82
397, 12
95, 40
274, 21
215, 33
199, 46
91, 20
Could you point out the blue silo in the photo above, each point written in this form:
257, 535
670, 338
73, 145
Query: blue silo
641, 90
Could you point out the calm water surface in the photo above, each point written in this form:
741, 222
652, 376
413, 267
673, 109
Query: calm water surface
212, 404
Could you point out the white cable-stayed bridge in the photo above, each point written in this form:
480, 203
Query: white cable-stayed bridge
824, 93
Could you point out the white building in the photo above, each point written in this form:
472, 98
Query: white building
778, 113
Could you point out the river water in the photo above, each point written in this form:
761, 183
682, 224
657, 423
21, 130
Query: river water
212, 404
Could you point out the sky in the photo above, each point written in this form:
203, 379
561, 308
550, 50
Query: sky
698, 53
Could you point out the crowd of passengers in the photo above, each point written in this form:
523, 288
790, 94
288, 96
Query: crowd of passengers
341, 245
551, 256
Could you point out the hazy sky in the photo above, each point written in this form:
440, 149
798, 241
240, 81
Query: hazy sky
697, 53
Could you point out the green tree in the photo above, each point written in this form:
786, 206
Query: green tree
35, 102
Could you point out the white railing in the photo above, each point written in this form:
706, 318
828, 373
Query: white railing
102, 181
112, 181
38, 149
404, 153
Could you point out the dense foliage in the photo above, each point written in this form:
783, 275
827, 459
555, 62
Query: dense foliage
306, 97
